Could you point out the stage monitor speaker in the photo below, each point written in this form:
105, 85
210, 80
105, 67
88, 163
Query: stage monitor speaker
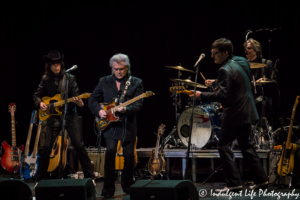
163, 190
65, 189
11, 189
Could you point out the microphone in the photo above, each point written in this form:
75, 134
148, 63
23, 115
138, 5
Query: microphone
200, 58
72, 68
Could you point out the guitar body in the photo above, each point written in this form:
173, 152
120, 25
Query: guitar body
286, 162
155, 166
119, 164
54, 161
43, 115
11, 159
111, 117
31, 166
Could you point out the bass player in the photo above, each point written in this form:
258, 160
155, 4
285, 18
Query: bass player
108, 88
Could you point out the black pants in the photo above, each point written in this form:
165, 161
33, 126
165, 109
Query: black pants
110, 158
52, 131
230, 170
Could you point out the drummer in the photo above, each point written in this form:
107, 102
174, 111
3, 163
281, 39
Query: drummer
271, 90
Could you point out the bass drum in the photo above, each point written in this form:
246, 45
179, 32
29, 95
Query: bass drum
202, 127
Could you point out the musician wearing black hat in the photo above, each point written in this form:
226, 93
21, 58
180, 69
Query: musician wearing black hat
52, 83
234, 92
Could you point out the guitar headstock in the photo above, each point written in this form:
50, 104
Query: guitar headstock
180, 89
85, 95
161, 130
12, 108
33, 117
147, 94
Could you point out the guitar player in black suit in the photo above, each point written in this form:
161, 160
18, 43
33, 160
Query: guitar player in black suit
234, 92
52, 84
109, 87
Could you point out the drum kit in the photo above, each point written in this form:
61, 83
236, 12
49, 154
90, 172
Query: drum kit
206, 118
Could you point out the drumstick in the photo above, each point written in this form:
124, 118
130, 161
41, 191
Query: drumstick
203, 76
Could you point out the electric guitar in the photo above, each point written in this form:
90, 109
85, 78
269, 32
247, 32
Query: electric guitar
32, 160
286, 162
55, 154
56, 102
111, 110
157, 163
11, 158
119, 164
26, 151
180, 89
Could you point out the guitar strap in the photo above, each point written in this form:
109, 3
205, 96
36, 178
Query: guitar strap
122, 98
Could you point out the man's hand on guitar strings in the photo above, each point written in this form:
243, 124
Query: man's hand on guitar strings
43, 106
121, 109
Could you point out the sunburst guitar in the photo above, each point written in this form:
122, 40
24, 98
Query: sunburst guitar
56, 102
111, 110
11, 159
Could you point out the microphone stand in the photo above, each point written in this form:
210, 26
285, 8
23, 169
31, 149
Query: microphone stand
191, 123
63, 127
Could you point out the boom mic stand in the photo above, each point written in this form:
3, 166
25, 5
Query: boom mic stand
64, 126
191, 123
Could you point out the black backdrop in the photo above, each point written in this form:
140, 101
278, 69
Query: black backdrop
152, 33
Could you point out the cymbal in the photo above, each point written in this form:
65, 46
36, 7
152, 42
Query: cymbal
263, 82
257, 65
188, 82
180, 68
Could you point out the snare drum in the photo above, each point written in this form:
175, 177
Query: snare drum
203, 126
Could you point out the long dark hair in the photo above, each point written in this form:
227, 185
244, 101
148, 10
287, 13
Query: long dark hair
50, 74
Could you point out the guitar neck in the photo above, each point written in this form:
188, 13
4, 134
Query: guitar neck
37, 138
288, 141
59, 103
128, 102
13, 131
28, 140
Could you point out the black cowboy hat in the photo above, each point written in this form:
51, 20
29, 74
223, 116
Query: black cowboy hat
53, 56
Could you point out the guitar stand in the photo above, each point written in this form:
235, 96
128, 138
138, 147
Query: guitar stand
152, 176
213, 172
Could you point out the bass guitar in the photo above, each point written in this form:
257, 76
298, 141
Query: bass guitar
55, 154
111, 110
286, 162
119, 164
32, 160
55, 103
180, 89
157, 163
11, 158
27, 145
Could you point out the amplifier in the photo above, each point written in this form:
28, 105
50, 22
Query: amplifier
98, 159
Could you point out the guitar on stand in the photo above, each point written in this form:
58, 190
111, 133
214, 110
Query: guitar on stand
11, 158
32, 161
286, 162
157, 163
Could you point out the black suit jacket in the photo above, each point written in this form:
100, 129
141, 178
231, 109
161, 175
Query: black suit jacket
234, 93
104, 92
47, 87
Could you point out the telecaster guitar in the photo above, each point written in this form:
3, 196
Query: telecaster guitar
32, 160
11, 158
286, 162
111, 110
56, 102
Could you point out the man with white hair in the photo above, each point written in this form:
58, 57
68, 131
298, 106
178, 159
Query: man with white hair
109, 87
